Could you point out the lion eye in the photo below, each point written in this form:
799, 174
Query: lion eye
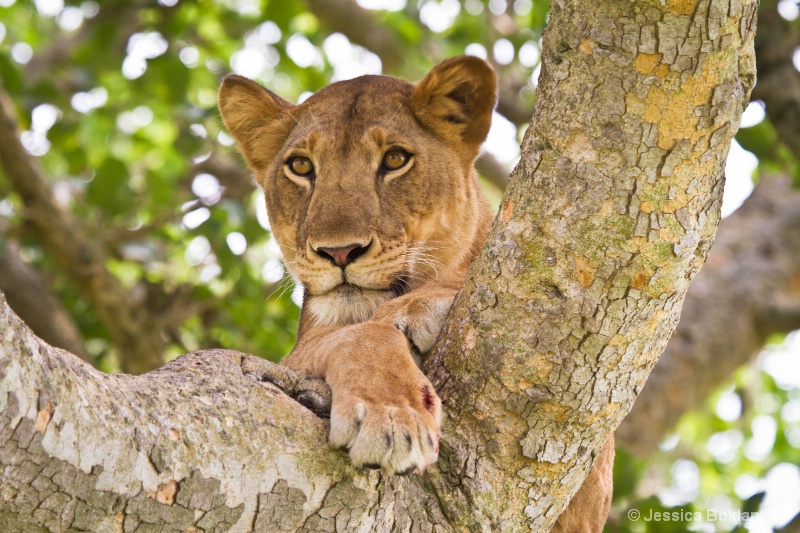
301, 166
395, 159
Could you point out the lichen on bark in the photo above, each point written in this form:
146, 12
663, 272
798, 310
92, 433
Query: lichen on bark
606, 219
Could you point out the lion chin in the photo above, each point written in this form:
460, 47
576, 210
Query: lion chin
347, 304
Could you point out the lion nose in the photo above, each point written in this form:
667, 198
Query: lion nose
343, 255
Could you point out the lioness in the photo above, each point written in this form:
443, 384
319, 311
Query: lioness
372, 196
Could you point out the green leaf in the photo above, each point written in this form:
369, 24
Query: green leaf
109, 188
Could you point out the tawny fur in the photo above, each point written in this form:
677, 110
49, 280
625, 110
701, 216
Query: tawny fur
417, 229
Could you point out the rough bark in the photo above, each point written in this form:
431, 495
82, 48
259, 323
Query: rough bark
196, 443
748, 289
751, 285
606, 219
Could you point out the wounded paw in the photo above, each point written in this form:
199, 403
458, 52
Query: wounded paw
399, 434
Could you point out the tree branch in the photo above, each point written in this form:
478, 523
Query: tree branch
361, 27
198, 442
30, 298
606, 219
509, 103
778, 80
492, 170
747, 290
121, 15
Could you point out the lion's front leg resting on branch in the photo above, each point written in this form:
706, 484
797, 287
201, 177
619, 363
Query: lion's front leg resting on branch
371, 193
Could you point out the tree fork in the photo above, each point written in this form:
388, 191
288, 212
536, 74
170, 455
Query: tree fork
606, 219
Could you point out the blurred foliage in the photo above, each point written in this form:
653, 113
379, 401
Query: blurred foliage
118, 102
762, 140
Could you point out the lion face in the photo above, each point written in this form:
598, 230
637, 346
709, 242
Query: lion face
369, 183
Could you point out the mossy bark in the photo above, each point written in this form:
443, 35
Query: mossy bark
748, 290
606, 219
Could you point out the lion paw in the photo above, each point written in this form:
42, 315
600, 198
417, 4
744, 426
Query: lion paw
399, 436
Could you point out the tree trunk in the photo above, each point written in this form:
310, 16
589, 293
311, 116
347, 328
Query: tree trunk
606, 219
750, 287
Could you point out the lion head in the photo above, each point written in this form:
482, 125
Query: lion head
369, 183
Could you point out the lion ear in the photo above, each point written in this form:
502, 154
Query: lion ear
258, 119
457, 97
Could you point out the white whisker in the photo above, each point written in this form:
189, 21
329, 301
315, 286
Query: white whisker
419, 257
289, 112
285, 285
391, 119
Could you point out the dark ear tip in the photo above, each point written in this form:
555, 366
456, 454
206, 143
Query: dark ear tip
232, 80
474, 63
228, 84
236, 78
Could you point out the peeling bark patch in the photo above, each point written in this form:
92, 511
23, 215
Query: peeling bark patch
585, 271
682, 7
508, 210
43, 418
539, 393
640, 279
166, 492
579, 147
281, 509
646, 63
